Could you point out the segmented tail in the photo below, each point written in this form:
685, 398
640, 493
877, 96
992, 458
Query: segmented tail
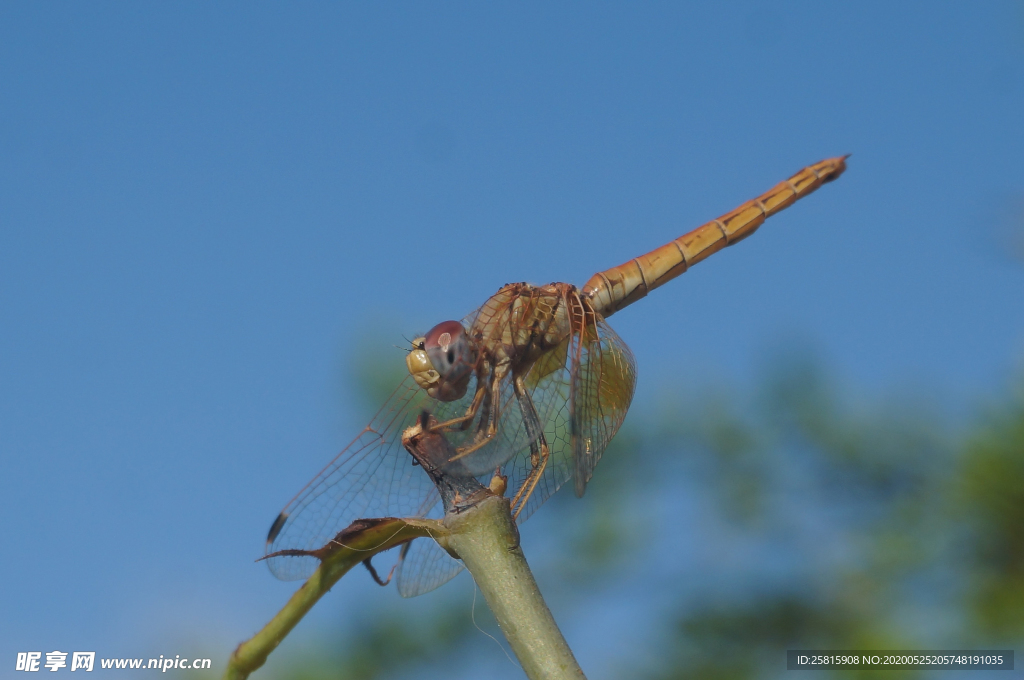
613, 289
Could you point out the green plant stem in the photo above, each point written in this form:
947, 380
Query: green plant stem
486, 539
477, 528
349, 550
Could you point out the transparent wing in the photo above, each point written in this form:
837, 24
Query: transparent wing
582, 390
512, 436
603, 379
371, 477
549, 387
424, 566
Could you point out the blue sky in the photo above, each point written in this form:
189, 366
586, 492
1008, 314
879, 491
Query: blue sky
207, 213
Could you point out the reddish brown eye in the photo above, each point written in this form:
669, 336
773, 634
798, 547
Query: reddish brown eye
449, 351
443, 335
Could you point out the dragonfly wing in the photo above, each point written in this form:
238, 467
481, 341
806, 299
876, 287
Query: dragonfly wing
549, 383
603, 379
494, 323
582, 390
424, 566
372, 477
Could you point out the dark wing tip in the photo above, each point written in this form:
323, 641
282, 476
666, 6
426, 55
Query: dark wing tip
275, 528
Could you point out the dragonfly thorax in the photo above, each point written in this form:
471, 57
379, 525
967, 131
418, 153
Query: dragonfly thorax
521, 322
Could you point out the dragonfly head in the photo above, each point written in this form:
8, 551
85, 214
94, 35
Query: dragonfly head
441, 362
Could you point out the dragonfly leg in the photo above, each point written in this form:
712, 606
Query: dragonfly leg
485, 434
539, 451
539, 455
465, 418
373, 572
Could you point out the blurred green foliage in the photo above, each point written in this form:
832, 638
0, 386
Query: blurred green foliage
990, 486
860, 525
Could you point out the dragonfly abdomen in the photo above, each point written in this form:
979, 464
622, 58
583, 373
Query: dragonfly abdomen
613, 289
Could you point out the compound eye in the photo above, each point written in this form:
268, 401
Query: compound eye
448, 348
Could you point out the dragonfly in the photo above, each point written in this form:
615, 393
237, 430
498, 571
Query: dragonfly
531, 386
